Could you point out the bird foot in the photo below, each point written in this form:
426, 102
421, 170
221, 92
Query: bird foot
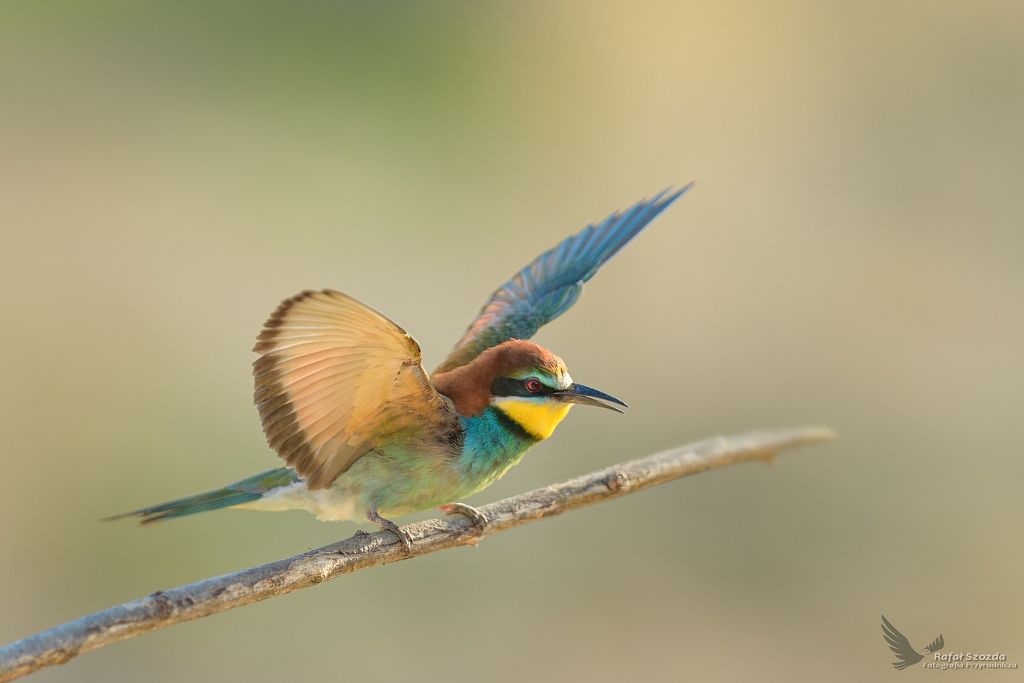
403, 536
474, 515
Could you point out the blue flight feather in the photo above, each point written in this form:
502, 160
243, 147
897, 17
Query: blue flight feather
552, 283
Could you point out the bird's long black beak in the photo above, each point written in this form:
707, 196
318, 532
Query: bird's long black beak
579, 393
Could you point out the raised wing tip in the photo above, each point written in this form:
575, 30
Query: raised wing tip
672, 193
661, 201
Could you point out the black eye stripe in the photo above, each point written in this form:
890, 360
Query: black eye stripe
508, 386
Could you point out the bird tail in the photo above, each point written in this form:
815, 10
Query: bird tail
244, 491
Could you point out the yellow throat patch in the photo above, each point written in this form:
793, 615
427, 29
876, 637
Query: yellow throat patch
539, 418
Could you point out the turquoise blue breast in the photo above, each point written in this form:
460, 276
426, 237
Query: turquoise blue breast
493, 443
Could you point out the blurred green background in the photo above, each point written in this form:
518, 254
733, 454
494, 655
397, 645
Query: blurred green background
851, 256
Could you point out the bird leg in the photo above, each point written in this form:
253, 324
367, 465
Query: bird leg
474, 515
403, 536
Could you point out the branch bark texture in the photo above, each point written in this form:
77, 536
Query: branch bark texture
163, 608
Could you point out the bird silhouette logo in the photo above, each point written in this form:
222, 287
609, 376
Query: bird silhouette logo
902, 648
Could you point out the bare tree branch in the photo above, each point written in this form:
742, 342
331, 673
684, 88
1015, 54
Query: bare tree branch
163, 608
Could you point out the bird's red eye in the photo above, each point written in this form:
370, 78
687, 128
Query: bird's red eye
532, 385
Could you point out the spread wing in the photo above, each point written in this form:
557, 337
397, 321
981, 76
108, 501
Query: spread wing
937, 644
900, 646
550, 285
335, 379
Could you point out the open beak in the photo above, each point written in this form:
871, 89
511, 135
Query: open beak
579, 393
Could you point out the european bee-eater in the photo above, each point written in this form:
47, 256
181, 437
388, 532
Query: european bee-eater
366, 434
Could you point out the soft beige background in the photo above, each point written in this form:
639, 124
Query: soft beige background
851, 256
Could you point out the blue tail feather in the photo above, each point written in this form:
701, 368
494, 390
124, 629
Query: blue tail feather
244, 491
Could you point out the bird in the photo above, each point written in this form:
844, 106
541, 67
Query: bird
367, 435
902, 648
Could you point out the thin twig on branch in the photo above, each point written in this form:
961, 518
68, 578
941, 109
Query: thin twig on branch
163, 608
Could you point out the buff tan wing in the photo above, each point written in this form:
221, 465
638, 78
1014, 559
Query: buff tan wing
335, 379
